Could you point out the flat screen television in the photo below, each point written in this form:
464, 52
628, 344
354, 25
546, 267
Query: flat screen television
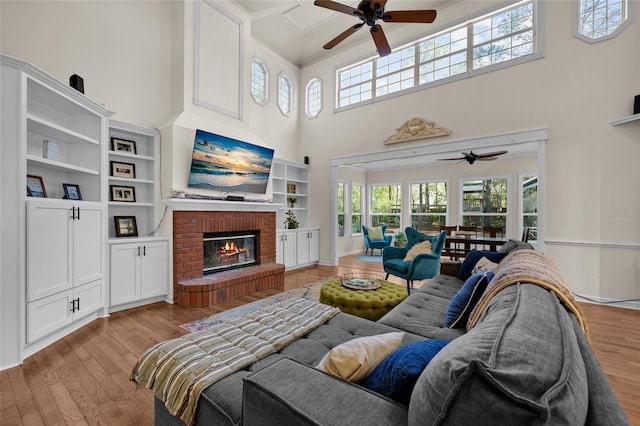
229, 165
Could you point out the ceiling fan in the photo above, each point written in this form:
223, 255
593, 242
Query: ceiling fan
471, 157
369, 11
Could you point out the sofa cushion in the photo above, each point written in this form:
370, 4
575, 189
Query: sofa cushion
420, 248
466, 299
473, 257
512, 245
375, 233
520, 364
397, 374
356, 359
484, 265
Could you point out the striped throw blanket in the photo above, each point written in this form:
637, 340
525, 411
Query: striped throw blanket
179, 370
533, 267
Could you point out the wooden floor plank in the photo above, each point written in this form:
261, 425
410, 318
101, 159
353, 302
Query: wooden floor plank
84, 377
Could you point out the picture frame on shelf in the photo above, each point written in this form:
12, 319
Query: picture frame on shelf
126, 226
291, 188
123, 170
35, 187
123, 145
123, 193
72, 191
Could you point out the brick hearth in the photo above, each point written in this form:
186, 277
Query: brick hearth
193, 289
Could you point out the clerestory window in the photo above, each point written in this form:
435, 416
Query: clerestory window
259, 82
313, 102
285, 94
505, 36
598, 20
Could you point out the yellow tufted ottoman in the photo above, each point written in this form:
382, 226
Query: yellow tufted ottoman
369, 304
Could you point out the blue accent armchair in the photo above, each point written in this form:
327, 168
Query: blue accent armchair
423, 266
376, 244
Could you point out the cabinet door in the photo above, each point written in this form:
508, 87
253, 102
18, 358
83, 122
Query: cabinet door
124, 273
302, 238
48, 249
87, 245
314, 245
153, 277
49, 314
89, 298
289, 251
279, 247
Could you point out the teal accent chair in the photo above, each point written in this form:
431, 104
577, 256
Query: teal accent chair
423, 266
375, 244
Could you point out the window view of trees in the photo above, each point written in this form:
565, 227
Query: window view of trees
484, 202
341, 209
356, 209
386, 206
428, 206
530, 205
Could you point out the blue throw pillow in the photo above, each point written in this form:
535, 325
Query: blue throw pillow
473, 257
396, 376
465, 300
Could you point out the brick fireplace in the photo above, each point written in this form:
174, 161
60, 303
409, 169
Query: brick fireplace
191, 287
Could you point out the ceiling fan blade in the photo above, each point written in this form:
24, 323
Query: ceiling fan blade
419, 16
342, 36
449, 159
491, 154
338, 7
380, 40
486, 158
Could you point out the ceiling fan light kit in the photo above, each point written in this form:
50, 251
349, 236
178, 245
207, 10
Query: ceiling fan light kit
369, 12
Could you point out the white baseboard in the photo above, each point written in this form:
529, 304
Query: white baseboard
631, 304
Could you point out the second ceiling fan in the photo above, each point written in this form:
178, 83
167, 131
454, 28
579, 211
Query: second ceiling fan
369, 12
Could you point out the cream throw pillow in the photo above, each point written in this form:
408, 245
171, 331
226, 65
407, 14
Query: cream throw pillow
484, 265
420, 248
375, 233
356, 359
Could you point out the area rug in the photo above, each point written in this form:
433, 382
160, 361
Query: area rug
309, 291
370, 259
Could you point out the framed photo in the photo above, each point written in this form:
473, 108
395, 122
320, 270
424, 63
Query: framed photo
124, 170
35, 187
291, 188
123, 193
123, 145
71, 191
126, 226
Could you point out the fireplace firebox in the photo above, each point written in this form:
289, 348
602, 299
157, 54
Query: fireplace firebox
229, 250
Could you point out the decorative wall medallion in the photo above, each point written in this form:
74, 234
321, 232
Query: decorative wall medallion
416, 128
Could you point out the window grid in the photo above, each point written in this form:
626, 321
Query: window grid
502, 36
386, 206
341, 205
314, 97
259, 81
428, 206
395, 72
600, 18
285, 94
356, 208
484, 202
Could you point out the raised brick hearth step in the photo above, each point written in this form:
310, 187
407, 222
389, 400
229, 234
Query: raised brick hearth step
222, 286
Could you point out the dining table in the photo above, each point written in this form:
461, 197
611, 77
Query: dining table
459, 245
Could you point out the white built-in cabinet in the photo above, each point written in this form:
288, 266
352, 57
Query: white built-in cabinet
61, 242
138, 265
300, 246
138, 270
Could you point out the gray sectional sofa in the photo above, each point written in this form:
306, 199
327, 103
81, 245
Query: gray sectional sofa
527, 361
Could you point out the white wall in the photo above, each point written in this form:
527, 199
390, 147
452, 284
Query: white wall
574, 91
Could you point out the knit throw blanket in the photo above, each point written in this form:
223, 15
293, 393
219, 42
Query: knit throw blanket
179, 370
533, 267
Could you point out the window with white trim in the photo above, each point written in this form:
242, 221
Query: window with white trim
598, 20
259, 82
341, 206
485, 42
357, 201
484, 202
428, 206
386, 206
313, 102
529, 193
285, 94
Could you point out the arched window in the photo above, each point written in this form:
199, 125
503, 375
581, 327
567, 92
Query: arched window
598, 20
313, 103
259, 82
285, 94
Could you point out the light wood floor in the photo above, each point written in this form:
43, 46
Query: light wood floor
84, 378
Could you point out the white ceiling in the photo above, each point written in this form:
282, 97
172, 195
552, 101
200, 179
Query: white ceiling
296, 29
